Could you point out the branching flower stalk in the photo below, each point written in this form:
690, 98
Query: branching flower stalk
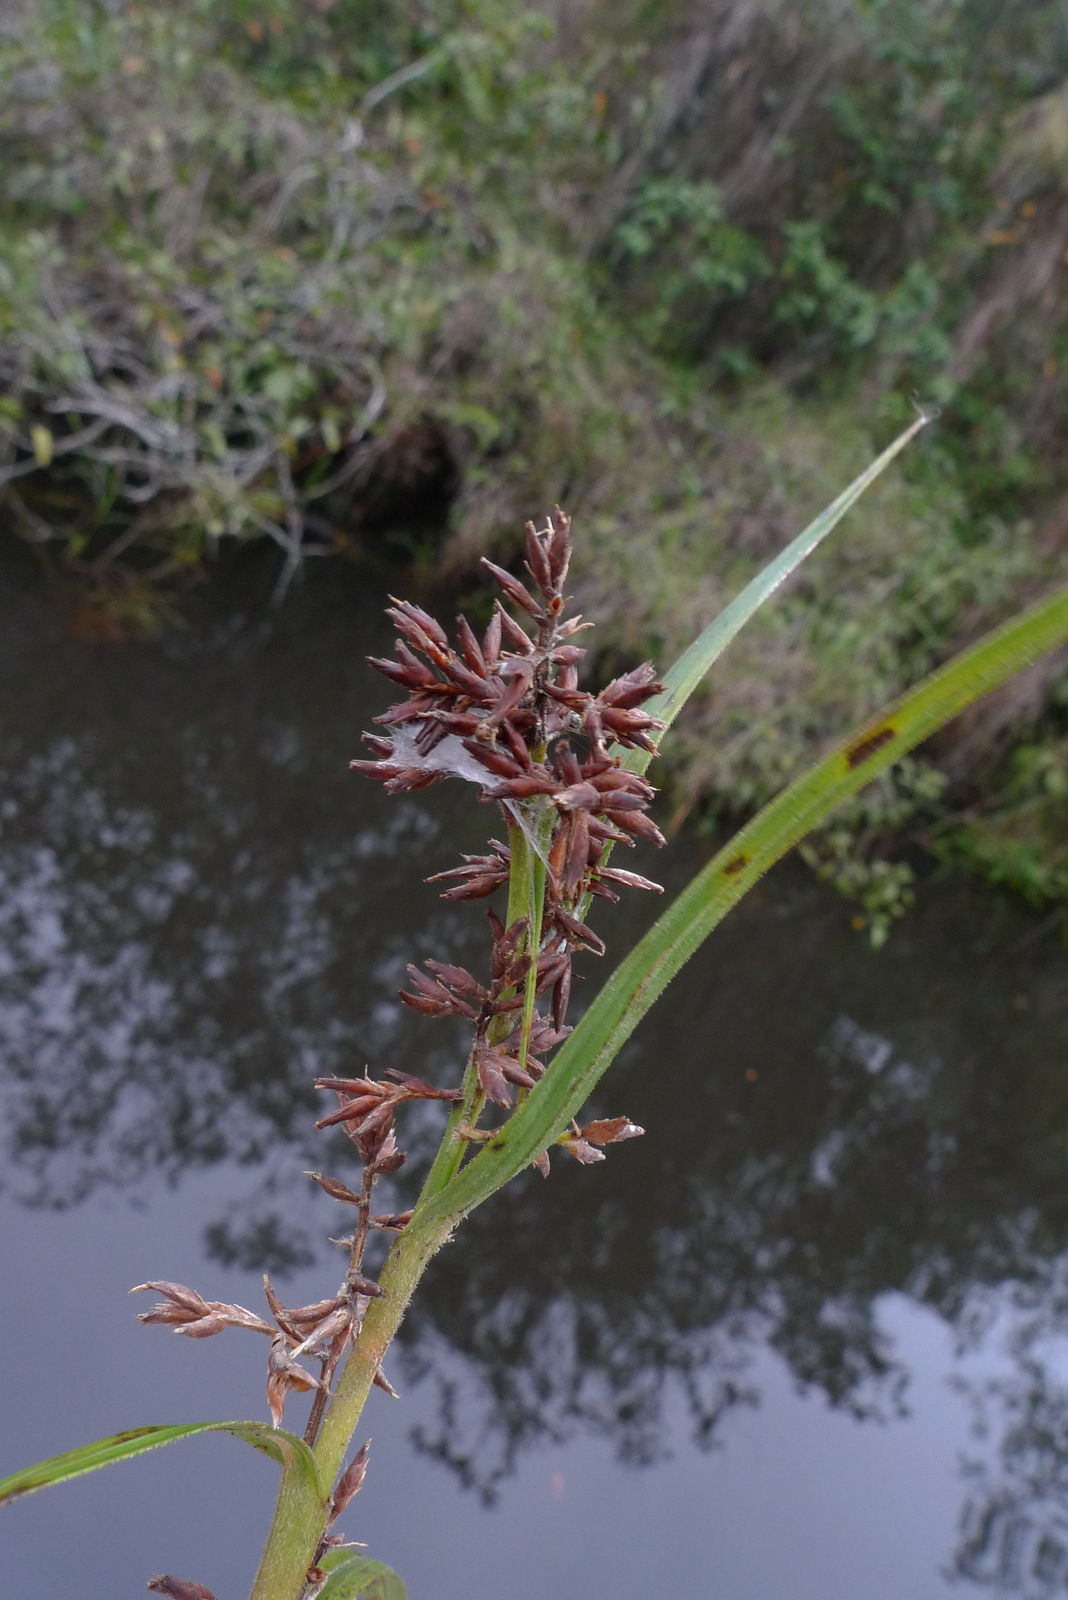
504, 712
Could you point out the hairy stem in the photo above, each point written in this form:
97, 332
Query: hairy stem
300, 1514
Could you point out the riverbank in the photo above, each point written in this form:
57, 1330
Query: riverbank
374, 287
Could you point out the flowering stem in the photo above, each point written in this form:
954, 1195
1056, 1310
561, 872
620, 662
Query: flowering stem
451, 1149
510, 707
333, 1355
526, 898
531, 906
299, 1519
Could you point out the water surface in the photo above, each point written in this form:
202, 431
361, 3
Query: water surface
746, 1356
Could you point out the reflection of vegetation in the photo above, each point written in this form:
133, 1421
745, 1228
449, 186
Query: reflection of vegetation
166, 971
1014, 1528
1013, 1535
320, 274
819, 1166
821, 1162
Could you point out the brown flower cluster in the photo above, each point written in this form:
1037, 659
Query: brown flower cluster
505, 711
322, 1330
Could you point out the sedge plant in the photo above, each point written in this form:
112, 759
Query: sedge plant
563, 770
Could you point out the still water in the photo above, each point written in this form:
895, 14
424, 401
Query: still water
805, 1340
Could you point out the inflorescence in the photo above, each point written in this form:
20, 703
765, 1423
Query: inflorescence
504, 712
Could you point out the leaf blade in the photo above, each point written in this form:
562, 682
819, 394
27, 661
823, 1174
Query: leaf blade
643, 974
698, 658
284, 1448
355, 1575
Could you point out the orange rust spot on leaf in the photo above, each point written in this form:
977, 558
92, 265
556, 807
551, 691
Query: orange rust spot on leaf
739, 864
866, 748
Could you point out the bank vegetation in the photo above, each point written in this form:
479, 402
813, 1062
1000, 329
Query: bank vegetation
379, 282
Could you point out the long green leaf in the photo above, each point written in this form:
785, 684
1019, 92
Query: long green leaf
696, 661
354, 1575
283, 1447
642, 976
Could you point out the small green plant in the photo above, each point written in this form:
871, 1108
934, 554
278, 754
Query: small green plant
847, 852
565, 769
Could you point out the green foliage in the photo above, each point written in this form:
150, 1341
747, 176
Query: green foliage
849, 852
699, 260
224, 306
288, 1451
1017, 834
818, 292
351, 1577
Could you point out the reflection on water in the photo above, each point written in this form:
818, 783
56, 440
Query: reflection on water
200, 911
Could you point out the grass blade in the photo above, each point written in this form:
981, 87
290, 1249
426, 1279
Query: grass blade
696, 661
642, 976
283, 1447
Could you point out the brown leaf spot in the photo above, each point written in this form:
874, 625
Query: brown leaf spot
864, 749
739, 864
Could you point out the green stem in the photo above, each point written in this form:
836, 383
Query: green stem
451, 1149
532, 976
522, 860
299, 1519
535, 907
407, 1261
300, 1514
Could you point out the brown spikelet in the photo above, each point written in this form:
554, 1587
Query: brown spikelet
610, 1131
334, 1188
514, 589
178, 1588
350, 1483
284, 1374
581, 1149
